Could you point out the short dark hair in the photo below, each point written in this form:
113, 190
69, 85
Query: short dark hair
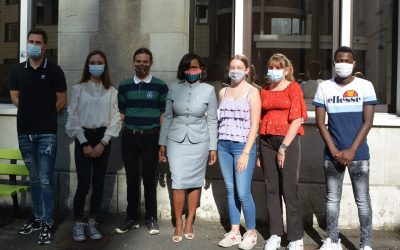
344, 49
39, 32
184, 64
105, 77
143, 50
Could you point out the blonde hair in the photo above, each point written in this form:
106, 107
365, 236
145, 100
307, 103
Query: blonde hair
280, 61
242, 58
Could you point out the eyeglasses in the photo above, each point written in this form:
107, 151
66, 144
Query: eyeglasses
194, 67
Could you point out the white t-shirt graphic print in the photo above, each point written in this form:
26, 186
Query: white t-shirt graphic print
344, 106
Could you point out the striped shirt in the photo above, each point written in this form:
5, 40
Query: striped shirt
142, 103
345, 106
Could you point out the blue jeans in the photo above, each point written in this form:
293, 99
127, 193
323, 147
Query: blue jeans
359, 175
238, 184
39, 153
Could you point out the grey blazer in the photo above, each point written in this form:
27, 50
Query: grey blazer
191, 110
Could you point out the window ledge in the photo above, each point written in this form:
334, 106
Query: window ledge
380, 119
8, 109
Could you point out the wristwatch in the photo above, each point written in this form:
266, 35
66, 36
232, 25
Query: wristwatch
283, 146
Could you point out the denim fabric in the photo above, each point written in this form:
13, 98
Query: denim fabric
39, 153
359, 175
238, 184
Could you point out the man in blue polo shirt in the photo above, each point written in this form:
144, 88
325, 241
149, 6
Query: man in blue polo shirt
38, 89
350, 103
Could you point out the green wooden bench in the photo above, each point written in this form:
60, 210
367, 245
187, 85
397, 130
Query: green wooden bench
9, 166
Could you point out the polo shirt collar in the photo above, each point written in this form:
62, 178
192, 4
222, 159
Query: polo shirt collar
42, 65
146, 80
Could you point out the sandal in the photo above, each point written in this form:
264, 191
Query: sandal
189, 236
177, 238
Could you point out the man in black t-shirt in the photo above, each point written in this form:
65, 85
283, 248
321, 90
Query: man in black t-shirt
38, 89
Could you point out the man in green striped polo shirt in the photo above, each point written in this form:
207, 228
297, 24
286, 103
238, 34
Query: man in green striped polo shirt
141, 101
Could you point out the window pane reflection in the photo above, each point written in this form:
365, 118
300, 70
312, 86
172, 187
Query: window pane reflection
212, 36
302, 30
9, 42
373, 44
46, 18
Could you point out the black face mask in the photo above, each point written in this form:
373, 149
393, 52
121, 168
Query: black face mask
142, 70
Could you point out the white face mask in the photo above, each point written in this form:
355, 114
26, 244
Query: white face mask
237, 76
344, 69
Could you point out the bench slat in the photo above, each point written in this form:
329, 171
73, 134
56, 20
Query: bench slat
10, 154
7, 190
14, 169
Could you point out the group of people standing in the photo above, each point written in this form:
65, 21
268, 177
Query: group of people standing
185, 125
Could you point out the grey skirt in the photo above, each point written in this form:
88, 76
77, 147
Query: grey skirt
187, 162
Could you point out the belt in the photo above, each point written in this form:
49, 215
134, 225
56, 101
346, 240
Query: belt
143, 132
95, 130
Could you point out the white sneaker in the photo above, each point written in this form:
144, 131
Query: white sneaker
249, 241
273, 243
296, 245
230, 239
329, 245
366, 248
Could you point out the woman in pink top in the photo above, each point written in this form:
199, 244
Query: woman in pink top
239, 118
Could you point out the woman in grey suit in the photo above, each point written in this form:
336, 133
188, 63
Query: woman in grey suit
189, 132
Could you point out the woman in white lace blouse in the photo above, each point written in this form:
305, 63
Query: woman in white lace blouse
93, 118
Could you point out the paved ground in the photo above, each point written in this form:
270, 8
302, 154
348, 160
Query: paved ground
207, 236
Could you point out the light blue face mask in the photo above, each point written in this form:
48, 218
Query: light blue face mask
33, 51
275, 75
96, 70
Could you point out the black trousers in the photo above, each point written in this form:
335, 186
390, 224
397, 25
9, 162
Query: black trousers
282, 182
90, 171
140, 156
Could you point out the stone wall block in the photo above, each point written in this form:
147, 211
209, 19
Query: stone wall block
167, 19
389, 149
78, 16
171, 47
73, 48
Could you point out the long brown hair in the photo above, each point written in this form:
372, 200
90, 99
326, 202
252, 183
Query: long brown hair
105, 77
280, 61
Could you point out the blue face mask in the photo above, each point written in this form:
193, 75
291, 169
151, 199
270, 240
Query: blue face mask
96, 70
192, 77
33, 51
275, 75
